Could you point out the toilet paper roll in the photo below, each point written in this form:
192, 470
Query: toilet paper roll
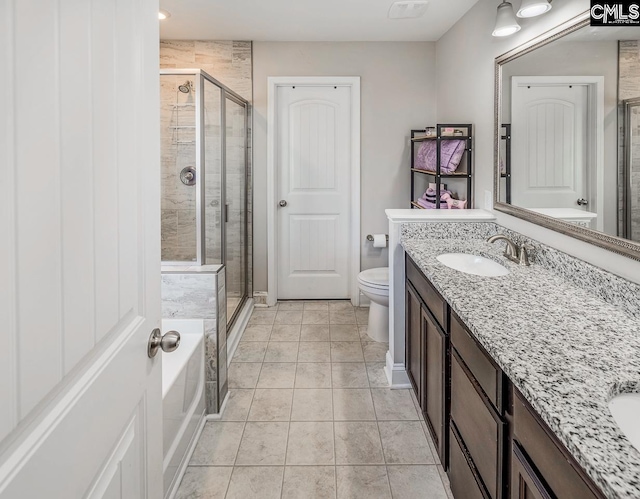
379, 240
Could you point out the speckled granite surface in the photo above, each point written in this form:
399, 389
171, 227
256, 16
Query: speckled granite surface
566, 347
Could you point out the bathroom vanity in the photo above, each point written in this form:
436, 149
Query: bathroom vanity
513, 375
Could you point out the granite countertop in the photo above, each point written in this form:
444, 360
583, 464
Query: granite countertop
566, 350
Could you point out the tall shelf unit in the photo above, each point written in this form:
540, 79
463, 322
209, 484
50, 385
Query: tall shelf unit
464, 170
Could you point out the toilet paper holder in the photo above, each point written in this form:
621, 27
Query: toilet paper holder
370, 237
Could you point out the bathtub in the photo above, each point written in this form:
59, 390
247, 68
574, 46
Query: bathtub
183, 401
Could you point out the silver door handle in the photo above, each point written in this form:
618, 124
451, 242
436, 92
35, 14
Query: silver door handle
582, 202
282, 203
168, 342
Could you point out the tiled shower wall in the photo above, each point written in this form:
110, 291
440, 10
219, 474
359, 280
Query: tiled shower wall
200, 294
629, 88
230, 62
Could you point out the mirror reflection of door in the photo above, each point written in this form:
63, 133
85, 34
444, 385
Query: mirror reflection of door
549, 126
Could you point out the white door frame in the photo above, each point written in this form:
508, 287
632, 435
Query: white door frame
273, 82
595, 130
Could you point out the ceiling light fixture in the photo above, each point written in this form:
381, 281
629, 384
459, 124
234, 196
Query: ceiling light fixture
506, 22
163, 14
533, 8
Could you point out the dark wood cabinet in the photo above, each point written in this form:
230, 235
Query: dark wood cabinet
465, 483
489, 439
414, 344
525, 482
435, 382
479, 425
558, 469
427, 355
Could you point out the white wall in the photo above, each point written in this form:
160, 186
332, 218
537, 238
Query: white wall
397, 94
465, 84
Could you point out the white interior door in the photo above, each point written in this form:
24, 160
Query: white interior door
549, 142
80, 401
313, 172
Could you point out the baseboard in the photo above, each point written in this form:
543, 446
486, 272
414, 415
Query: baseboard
260, 298
171, 493
396, 374
218, 417
238, 329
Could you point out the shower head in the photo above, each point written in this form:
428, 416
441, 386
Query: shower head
186, 87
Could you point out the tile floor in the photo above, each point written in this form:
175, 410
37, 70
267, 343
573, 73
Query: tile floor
310, 416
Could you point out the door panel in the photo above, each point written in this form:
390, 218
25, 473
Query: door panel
549, 139
313, 171
79, 265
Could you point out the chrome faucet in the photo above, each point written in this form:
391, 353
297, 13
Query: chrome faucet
512, 251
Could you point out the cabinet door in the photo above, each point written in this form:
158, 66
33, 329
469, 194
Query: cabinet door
525, 482
414, 344
434, 388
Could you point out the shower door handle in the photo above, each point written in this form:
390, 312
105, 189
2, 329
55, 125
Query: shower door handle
168, 342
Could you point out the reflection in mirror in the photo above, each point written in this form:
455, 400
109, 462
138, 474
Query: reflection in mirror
630, 151
570, 130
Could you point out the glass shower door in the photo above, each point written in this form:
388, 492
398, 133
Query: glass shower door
236, 191
212, 134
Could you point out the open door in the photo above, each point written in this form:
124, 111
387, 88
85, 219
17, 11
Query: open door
80, 400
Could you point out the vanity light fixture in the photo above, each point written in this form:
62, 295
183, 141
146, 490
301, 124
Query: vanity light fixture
506, 22
163, 14
533, 8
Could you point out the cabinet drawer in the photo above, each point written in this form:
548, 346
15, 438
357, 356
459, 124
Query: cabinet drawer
480, 427
427, 292
553, 463
464, 483
487, 374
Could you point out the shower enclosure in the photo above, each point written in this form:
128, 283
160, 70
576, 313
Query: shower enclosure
204, 177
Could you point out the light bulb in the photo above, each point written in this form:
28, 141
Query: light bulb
533, 8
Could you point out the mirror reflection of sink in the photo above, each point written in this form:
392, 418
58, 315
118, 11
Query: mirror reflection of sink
625, 409
472, 264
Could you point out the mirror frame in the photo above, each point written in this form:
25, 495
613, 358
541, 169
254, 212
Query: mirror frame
612, 243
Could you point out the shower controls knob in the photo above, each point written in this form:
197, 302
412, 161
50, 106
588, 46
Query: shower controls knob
282, 203
188, 175
168, 342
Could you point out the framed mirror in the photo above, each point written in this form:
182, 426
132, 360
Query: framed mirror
567, 133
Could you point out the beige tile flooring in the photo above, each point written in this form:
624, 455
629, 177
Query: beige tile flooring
310, 416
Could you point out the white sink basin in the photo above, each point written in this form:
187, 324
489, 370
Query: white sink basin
472, 264
625, 409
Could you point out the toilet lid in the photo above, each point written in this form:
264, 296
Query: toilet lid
375, 277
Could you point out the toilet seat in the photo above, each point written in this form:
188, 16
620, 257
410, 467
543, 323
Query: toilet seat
377, 278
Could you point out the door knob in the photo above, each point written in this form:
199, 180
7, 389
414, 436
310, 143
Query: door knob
282, 203
582, 202
168, 342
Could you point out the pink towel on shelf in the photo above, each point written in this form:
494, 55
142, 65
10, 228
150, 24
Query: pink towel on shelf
451, 152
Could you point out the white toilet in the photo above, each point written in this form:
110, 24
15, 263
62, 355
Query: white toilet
374, 284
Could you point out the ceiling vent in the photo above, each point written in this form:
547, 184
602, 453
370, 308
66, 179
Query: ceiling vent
408, 9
